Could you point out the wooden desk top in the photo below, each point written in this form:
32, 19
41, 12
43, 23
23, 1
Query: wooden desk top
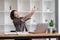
25, 35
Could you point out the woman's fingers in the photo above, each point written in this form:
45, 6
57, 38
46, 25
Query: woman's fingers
34, 10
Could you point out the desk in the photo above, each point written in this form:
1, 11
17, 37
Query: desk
41, 35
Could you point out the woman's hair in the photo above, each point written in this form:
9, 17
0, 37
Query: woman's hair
12, 14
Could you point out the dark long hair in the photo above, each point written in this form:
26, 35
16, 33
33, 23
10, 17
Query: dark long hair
12, 14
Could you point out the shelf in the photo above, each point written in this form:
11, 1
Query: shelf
47, 0
30, 11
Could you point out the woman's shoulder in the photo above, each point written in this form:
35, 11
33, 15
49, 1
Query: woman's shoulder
17, 19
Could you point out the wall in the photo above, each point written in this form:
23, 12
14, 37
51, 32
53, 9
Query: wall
1, 16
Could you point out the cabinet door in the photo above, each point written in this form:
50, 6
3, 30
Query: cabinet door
10, 5
1, 5
23, 5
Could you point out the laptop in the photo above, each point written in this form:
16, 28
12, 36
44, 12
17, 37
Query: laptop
41, 28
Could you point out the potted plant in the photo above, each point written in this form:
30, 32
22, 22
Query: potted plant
51, 24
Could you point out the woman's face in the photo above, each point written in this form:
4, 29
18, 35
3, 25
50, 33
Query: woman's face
16, 14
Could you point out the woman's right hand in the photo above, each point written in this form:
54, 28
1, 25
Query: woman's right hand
34, 10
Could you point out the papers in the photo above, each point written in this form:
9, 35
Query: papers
10, 33
22, 32
16, 33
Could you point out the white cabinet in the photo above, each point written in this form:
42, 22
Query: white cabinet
45, 10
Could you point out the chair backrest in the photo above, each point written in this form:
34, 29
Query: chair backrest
41, 28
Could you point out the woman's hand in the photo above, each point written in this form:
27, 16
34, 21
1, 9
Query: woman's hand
34, 10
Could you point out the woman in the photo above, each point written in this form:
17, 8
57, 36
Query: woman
19, 22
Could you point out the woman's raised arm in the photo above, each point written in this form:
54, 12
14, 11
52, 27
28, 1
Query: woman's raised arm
29, 15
